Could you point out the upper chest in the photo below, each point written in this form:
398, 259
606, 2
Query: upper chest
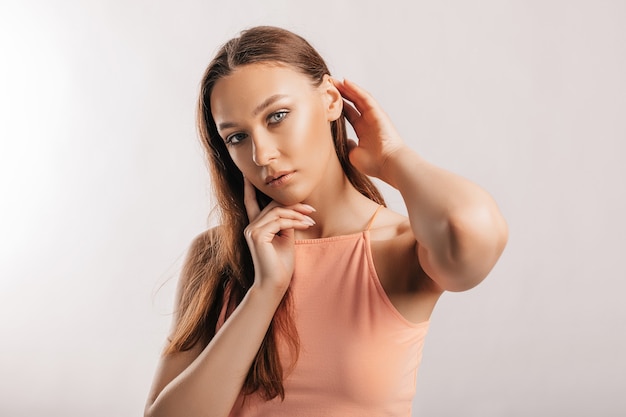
368, 269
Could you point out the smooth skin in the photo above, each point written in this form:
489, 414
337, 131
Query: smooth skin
275, 123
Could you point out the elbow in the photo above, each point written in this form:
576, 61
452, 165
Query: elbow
152, 408
148, 411
479, 231
496, 237
476, 242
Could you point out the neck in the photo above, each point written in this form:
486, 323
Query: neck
340, 210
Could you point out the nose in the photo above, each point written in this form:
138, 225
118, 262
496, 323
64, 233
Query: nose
263, 150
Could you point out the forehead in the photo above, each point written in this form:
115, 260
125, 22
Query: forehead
247, 86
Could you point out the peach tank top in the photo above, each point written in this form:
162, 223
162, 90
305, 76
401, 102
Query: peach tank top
358, 355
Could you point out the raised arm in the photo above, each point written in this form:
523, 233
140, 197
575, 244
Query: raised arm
206, 381
458, 227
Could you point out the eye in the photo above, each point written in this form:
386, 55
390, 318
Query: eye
277, 117
235, 138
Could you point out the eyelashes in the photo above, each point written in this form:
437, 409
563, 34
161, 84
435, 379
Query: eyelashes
277, 117
235, 138
272, 119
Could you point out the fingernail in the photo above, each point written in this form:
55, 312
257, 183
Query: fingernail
309, 221
309, 207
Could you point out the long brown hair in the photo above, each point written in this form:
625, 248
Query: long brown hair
219, 269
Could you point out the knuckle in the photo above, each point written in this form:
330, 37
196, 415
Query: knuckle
254, 234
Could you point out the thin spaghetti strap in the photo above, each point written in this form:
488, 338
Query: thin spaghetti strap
369, 224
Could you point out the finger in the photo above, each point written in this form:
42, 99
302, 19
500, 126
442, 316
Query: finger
355, 154
337, 83
249, 200
361, 98
350, 112
352, 144
340, 86
283, 213
281, 225
302, 208
278, 226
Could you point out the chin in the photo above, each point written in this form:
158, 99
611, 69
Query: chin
289, 198
288, 201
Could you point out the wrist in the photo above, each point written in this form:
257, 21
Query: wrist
400, 160
269, 293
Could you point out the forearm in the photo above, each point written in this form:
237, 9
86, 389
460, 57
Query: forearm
211, 384
458, 227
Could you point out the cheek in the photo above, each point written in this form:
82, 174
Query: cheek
247, 167
241, 157
313, 133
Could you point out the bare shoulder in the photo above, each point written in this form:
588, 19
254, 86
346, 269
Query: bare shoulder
389, 225
204, 241
173, 364
394, 251
200, 250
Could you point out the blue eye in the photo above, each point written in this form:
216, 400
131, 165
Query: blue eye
235, 138
277, 117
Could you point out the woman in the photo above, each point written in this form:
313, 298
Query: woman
312, 298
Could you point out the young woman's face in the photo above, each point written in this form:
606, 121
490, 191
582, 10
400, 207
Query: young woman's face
276, 126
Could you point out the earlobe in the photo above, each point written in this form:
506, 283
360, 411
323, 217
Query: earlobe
334, 100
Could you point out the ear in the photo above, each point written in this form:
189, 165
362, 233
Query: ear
333, 102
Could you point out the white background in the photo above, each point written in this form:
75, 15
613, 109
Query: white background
103, 186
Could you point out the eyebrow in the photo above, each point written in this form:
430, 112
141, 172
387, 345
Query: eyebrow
265, 104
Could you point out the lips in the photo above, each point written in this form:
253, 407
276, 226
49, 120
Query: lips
278, 178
